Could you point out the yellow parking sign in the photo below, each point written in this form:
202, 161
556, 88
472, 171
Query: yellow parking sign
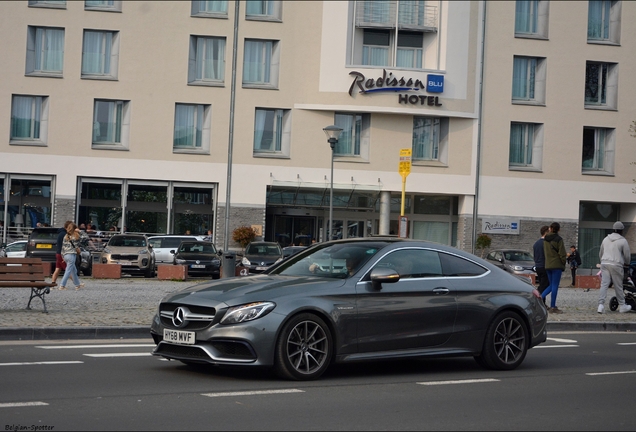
404, 166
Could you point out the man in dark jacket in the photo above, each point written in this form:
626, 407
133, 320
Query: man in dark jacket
60, 265
539, 260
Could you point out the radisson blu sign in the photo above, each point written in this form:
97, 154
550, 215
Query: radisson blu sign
391, 83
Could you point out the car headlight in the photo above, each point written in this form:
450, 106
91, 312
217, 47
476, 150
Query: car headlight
106, 250
517, 268
143, 252
247, 312
246, 262
216, 262
180, 261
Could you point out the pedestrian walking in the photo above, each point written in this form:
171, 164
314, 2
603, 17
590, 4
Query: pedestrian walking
70, 250
539, 260
574, 259
59, 261
614, 255
554, 264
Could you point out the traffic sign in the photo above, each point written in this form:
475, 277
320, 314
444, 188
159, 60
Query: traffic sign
404, 166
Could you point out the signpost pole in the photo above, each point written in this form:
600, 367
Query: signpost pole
404, 169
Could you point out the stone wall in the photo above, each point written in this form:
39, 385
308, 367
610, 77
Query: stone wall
239, 216
63, 210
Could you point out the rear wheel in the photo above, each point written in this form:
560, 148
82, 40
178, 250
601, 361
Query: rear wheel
506, 342
613, 304
303, 349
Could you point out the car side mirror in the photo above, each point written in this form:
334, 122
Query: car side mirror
172, 252
220, 252
383, 275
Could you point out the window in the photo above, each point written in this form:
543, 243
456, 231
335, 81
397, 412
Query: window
272, 130
29, 119
528, 80
260, 63
110, 124
531, 19
354, 139
598, 150
45, 51
601, 85
267, 10
210, 9
526, 146
413, 263
393, 33
191, 128
100, 54
55, 4
103, 5
430, 135
603, 21
207, 60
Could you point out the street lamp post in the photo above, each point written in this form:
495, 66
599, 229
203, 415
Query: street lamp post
332, 132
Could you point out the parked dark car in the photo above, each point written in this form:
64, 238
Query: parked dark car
260, 255
292, 250
201, 258
353, 300
515, 261
42, 244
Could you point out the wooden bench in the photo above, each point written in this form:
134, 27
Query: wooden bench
28, 274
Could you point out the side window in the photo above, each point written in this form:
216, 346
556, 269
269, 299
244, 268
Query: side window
456, 266
155, 243
413, 263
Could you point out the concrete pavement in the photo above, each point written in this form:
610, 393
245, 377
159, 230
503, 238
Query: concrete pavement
124, 308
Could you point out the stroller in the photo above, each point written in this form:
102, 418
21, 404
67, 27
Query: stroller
628, 288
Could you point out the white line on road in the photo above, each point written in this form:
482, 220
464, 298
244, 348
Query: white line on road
21, 404
118, 355
96, 346
252, 393
562, 340
611, 373
471, 381
41, 363
556, 346
627, 343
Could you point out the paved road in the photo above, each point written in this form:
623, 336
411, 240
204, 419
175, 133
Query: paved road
125, 307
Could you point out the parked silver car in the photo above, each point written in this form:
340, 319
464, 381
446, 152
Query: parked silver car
132, 252
353, 300
515, 261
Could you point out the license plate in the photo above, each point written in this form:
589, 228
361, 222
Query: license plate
262, 268
43, 246
123, 262
197, 266
178, 337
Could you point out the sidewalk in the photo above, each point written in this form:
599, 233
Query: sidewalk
124, 308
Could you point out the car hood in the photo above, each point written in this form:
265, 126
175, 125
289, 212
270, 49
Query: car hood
521, 263
267, 259
125, 249
197, 256
241, 290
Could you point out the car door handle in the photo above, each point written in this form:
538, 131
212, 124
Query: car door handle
441, 290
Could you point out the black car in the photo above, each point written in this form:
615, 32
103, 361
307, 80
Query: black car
292, 250
42, 244
261, 255
355, 300
201, 258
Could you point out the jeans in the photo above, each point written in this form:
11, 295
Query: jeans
554, 276
71, 270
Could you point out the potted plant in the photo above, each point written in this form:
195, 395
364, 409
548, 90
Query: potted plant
482, 243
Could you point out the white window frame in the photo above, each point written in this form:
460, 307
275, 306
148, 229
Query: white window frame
438, 155
604, 145
532, 146
124, 127
360, 141
540, 9
194, 65
113, 58
610, 83
52, 4
281, 128
104, 6
202, 121
540, 73
273, 66
38, 102
202, 12
613, 21
273, 11
33, 57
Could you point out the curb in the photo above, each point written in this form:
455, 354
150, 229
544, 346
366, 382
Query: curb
143, 332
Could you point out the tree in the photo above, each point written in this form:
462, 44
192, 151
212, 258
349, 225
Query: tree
482, 243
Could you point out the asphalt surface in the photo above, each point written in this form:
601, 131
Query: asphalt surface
124, 308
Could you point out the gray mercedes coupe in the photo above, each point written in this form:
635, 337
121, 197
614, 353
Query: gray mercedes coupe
355, 300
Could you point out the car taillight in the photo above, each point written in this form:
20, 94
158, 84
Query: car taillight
536, 293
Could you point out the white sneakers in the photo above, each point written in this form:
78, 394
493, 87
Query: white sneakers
624, 308
601, 309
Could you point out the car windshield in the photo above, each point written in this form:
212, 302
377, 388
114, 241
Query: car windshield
263, 249
44, 235
518, 256
200, 248
127, 241
335, 260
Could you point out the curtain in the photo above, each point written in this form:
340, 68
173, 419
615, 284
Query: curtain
411, 12
49, 49
598, 19
431, 231
210, 59
526, 16
96, 53
107, 120
344, 145
259, 129
375, 56
377, 11
257, 61
25, 117
98, 3
516, 144
188, 125
259, 7
213, 6
523, 78
409, 58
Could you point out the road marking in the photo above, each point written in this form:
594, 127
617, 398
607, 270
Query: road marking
253, 393
118, 355
562, 340
40, 363
21, 404
556, 346
471, 381
611, 373
627, 343
96, 346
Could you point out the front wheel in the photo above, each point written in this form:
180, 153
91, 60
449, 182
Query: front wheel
506, 342
303, 349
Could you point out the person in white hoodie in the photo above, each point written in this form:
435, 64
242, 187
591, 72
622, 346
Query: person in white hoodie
614, 255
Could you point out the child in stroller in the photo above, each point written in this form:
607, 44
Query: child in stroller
628, 288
